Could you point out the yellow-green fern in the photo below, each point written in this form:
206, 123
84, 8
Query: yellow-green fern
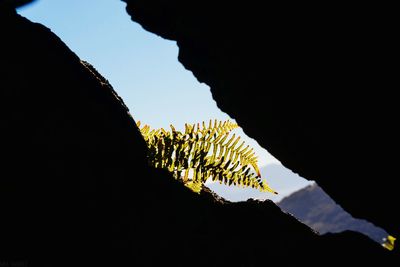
388, 242
204, 152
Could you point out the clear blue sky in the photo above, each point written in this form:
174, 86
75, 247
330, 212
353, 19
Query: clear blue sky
142, 67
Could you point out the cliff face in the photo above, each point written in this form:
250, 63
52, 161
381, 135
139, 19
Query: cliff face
312, 83
75, 188
67, 141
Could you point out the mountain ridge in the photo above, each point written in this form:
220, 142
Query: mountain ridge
314, 207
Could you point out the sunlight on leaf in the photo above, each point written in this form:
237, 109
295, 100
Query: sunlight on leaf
204, 152
388, 242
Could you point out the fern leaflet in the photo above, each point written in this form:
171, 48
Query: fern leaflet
203, 152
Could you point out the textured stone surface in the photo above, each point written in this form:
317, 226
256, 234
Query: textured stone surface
75, 189
312, 83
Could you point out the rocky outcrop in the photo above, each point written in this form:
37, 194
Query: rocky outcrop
75, 188
66, 144
312, 83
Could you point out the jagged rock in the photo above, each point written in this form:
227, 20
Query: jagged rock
75, 188
312, 83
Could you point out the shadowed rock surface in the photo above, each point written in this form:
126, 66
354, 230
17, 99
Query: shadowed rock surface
311, 82
14, 3
75, 189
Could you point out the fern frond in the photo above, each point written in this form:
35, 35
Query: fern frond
206, 152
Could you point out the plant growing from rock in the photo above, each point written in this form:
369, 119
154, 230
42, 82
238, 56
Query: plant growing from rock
204, 152
388, 242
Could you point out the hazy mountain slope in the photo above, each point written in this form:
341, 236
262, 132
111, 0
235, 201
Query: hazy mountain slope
315, 208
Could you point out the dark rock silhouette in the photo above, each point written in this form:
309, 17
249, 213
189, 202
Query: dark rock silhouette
311, 82
14, 3
75, 188
314, 207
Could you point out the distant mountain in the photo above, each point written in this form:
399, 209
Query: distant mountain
314, 207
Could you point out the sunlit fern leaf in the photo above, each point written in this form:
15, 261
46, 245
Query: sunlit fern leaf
202, 152
388, 242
